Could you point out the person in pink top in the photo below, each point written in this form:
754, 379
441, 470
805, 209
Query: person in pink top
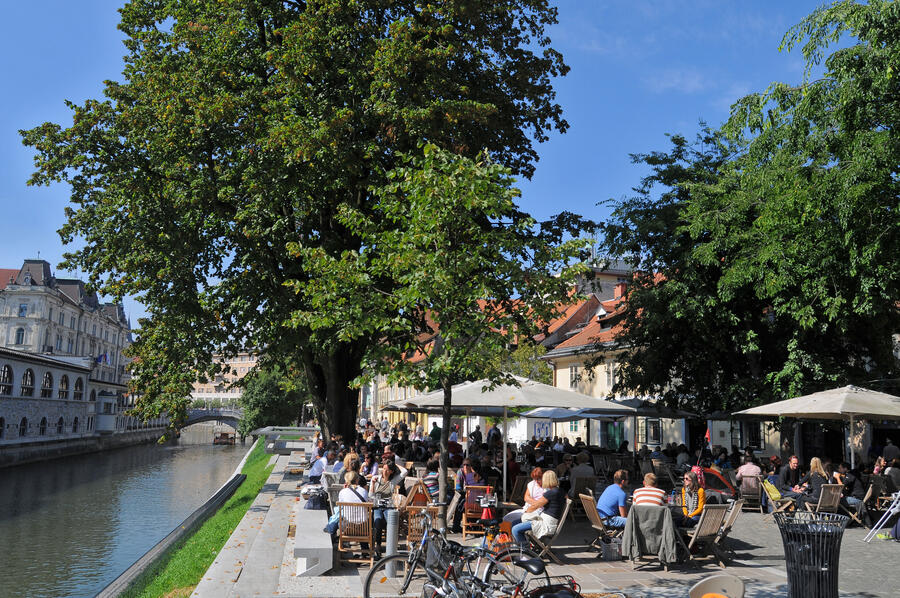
649, 494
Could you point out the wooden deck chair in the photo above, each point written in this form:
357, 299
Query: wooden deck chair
880, 491
579, 487
829, 499
416, 494
599, 465
733, 512
603, 532
704, 534
472, 510
355, 533
727, 586
781, 503
518, 492
415, 528
545, 544
751, 493
451, 508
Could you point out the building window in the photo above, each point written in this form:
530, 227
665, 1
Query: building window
50, 314
42, 429
6, 378
2, 427
27, 384
610, 374
63, 388
60, 426
649, 431
20, 336
72, 322
58, 343
94, 330
78, 393
574, 375
74, 425
62, 319
47, 386
753, 434
573, 426
107, 408
69, 346
93, 395
23, 310
23, 427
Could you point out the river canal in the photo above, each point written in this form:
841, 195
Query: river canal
70, 526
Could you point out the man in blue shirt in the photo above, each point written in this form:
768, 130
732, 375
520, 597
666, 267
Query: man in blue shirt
611, 504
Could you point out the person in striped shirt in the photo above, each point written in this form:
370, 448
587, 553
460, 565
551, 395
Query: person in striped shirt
649, 494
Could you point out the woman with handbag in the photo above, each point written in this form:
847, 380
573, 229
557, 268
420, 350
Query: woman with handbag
542, 517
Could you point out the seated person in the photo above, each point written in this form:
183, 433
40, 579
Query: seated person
649, 494
564, 471
542, 517
854, 492
693, 499
792, 482
320, 465
817, 478
611, 504
747, 474
583, 469
466, 476
383, 486
351, 492
533, 492
432, 479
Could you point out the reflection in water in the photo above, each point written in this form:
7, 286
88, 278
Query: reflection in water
70, 526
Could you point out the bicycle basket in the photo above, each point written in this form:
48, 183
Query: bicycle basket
561, 585
439, 553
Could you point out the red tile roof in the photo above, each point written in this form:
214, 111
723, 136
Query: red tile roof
597, 331
5, 275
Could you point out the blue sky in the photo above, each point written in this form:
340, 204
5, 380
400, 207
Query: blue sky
640, 69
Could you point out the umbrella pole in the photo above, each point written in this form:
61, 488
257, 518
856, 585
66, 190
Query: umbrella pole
505, 440
850, 444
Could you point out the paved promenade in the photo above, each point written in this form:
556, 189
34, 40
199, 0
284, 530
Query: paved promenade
258, 559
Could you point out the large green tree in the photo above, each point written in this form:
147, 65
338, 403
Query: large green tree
463, 273
242, 126
778, 258
273, 395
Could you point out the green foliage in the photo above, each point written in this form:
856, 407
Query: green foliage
189, 560
780, 260
525, 360
273, 396
242, 126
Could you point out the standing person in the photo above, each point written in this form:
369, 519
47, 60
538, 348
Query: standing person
891, 451
549, 508
649, 494
693, 499
454, 433
611, 504
817, 478
494, 436
435, 433
475, 437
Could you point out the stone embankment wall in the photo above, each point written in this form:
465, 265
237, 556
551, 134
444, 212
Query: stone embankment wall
51, 449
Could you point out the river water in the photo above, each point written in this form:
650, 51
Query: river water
70, 526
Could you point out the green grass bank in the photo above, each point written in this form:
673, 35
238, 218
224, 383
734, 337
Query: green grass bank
177, 574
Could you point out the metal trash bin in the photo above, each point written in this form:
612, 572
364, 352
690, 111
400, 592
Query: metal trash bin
812, 550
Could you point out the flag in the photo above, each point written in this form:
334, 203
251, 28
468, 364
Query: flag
707, 436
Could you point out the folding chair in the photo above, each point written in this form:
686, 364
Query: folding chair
581, 484
706, 531
603, 532
829, 499
751, 492
599, 465
355, 528
472, 510
518, 492
733, 512
546, 543
781, 503
415, 528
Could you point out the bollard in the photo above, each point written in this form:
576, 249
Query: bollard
392, 517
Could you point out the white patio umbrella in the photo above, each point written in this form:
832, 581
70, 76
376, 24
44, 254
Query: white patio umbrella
529, 394
847, 402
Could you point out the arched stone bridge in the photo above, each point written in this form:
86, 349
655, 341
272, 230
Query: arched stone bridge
225, 415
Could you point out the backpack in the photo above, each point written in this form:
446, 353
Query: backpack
317, 501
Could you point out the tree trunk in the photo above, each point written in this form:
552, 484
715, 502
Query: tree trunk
329, 378
445, 456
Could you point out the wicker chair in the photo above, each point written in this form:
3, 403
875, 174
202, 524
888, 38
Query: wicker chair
472, 510
356, 533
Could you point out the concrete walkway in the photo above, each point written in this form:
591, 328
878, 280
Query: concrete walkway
258, 558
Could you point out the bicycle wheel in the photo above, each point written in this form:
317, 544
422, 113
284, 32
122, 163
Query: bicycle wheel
502, 570
407, 579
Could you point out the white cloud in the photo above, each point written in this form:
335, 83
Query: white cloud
681, 80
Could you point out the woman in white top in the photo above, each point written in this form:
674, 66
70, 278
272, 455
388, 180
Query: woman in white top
533, 492
351, 492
